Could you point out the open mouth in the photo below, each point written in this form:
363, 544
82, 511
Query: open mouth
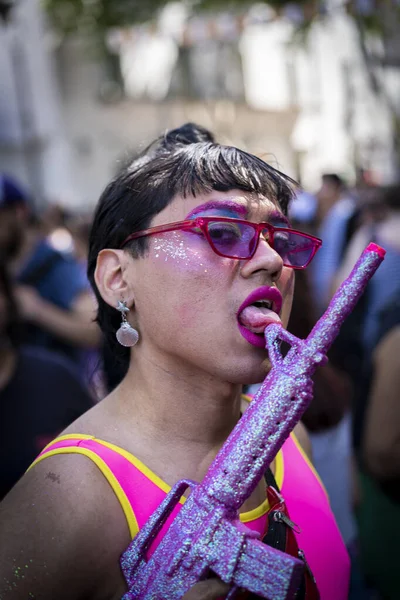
257, 312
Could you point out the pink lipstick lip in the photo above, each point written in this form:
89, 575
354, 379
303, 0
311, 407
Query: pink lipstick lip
263, 293
255, 339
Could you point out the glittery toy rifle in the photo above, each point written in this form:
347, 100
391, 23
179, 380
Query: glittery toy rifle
206, 535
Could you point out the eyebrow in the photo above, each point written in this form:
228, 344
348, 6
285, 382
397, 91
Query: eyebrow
277, 218
229, 205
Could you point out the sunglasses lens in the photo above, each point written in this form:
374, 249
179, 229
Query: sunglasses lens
238, 240
235, 240
296, 250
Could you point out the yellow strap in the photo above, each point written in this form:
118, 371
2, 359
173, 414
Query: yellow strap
245, 517
140, 466
106, 471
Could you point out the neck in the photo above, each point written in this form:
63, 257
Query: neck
186, 413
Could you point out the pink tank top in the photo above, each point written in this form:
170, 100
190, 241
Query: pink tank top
140, 492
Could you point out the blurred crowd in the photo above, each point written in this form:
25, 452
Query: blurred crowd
49, 341
354, 420
51, 356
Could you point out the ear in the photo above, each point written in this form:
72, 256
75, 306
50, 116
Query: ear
111, 276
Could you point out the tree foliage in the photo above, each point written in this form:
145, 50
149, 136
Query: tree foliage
94, 17
381, 18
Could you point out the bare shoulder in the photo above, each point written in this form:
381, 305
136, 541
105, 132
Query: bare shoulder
62, 532
303, 438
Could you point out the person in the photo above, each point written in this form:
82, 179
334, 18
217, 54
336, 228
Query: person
375, 424
177, 257
78, 226
380, 453
53, 293
377, 452
303, 211
40, 394
337, 215
383, 231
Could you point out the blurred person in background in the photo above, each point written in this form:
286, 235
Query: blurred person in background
337, 218
53, 292
303, 211
377, 451
92, 360
53, 217
40, 393
381, 225
349, 349
79, 227
376, 415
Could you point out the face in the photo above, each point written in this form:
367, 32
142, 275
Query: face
188, 301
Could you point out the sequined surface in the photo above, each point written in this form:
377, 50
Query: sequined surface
206, 534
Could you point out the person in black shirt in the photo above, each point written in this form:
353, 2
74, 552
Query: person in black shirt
40, 394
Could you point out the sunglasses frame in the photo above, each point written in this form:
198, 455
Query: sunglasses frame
202, 223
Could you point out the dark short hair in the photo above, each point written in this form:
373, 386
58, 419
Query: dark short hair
184, 161
334, 179
11, 192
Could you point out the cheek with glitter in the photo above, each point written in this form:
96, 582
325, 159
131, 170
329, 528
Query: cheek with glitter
175, 247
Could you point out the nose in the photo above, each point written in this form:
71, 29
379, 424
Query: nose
265, 259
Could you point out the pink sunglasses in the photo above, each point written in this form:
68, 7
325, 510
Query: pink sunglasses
235, 238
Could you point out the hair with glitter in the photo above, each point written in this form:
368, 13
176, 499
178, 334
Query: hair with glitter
184, 161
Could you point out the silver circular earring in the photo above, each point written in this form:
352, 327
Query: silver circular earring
126, 335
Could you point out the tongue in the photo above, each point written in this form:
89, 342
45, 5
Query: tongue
256, 319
